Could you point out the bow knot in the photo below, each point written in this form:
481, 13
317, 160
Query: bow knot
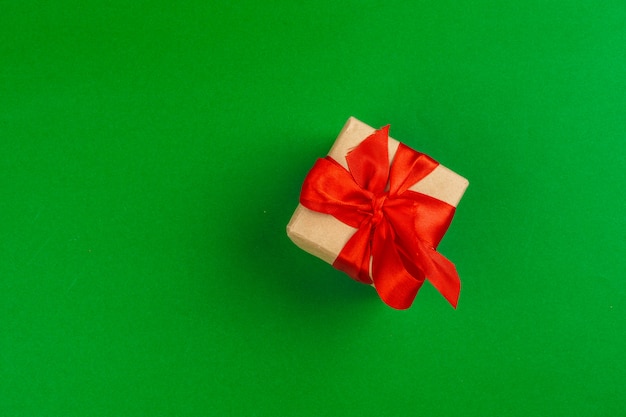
397, 230
377, 208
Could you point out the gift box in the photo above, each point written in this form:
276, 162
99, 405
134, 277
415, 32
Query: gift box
377, 209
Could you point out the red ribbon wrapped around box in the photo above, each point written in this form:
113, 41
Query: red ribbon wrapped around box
390, 207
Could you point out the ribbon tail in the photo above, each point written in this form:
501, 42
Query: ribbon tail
442, 274
396, 286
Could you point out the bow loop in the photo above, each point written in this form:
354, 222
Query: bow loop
369, 162
408, 168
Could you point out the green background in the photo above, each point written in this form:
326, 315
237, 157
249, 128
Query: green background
151, 155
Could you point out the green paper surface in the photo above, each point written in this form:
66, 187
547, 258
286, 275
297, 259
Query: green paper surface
151, 155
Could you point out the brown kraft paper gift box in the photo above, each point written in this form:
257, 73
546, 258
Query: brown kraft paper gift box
323, 235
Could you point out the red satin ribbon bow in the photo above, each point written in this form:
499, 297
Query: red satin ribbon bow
398, 229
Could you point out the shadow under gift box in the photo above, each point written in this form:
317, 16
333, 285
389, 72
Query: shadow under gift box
323, 235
